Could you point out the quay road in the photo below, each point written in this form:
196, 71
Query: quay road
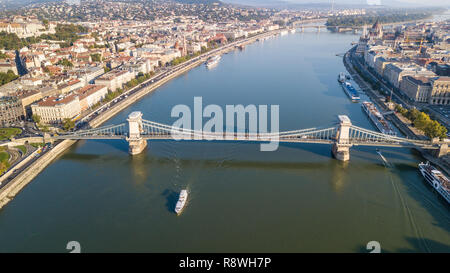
16, 172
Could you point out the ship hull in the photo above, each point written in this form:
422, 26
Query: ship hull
181, 202
433, 182
375, 121
352, 94
213, 62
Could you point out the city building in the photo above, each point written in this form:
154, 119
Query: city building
416, 88
28, 97
90, 95
8, 65
54, 109
394, 72
11, 111
114, 79
440, 91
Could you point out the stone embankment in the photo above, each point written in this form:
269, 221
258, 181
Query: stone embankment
10, 190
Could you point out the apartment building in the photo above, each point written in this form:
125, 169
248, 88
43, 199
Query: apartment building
394, 72
440, 90
28, 97
114, 79
416, 88
54, 109
90, 95
11, 111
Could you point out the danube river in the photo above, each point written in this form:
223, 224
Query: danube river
295, 199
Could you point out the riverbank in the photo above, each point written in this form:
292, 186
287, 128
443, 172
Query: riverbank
13, 187
395, 118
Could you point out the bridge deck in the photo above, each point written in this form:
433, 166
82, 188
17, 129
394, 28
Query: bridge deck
150, 130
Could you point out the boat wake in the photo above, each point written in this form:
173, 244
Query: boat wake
408, 214
386, 163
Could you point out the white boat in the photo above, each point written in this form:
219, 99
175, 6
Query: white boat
283, 32
350, 91
341, 77
377, 118
213, 61
181, 201
436, 179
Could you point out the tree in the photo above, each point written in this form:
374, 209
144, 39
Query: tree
435, 129
65, 63
36, 118
281, 23
422, 121
413, 114
96, 57
68, 124
45, 23
7, 77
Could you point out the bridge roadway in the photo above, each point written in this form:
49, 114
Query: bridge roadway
233, 137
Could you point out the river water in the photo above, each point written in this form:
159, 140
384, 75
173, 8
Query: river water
295, 199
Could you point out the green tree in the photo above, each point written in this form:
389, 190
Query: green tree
36, 118
422, 121
45, 23
65, 63
435, 129
96, 57
7, 77
68, 124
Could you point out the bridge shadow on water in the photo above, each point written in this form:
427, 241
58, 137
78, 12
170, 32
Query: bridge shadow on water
171, 199
147, 158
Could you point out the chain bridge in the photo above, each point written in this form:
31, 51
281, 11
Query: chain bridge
341, 136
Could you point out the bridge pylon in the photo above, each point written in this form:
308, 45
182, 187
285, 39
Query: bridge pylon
341, 147
135, 141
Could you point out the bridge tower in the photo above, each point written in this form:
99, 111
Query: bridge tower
341, 148
135, 141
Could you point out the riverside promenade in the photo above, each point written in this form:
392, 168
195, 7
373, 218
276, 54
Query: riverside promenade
34, 166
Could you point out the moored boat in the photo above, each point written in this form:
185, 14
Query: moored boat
377, 118
350, 91
213, 61
436, 179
